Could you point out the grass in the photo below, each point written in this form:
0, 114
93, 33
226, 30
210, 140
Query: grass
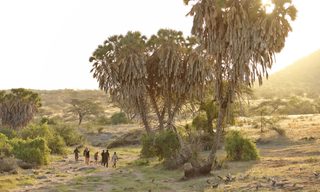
9, 182
283, 158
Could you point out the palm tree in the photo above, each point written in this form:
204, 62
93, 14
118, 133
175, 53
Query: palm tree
18, 107
157, 75
242, 39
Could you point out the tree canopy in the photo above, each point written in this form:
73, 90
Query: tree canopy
157, 74
18, 107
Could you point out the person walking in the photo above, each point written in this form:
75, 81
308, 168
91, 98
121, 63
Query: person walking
86, 154
96, 157
107, 157
76, 154
114, 160
103, 158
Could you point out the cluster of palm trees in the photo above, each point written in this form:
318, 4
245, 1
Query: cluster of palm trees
233, 44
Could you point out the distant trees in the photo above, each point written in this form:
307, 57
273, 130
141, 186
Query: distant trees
83, 108
18, 107
242, 39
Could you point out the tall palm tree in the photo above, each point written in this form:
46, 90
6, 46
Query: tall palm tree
242, 39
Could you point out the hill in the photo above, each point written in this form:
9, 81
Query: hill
300, 78
56, 102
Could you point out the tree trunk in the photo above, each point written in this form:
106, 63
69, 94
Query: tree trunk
206, 168
215, 146
143, 115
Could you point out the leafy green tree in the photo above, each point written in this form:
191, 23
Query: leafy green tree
242, 40
18, 107
84, 108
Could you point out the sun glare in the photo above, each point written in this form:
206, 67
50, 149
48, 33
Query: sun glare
268, 5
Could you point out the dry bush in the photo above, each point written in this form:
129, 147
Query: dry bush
8, 164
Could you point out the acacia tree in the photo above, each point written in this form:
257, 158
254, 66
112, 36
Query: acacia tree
84, 108
18, 107
242, 39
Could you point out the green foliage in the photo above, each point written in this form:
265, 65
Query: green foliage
83, 108
54, 141
31, 150
141, 162
148, 149
70, 134
48, 121
163, 145
57, 145
10, 133
239, 147
119, 118
5, 147
200, 122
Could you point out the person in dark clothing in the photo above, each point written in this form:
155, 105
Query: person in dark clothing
103, 158
107, 157
86, 154
76, 154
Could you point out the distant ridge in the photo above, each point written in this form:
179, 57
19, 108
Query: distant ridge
300, 78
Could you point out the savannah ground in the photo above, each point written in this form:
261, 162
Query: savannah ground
287, 163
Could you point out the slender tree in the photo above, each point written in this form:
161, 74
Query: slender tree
242, 39
18, 107
84, 108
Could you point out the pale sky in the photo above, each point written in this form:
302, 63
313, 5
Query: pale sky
45, 44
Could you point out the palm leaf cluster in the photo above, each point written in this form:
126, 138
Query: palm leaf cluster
241, 37
151, 75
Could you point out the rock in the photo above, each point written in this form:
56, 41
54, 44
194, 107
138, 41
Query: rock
14, 172
25, 165
42, 177
86, 168
188, 170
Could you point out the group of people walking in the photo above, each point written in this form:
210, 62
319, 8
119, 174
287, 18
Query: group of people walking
105, 157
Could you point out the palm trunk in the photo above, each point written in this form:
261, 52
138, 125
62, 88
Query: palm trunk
215, 146
143, 114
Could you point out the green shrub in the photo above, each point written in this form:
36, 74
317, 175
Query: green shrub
31, 150
10, 133
57, 145
141, 162
5, 147
119, 118
163, 145
239, 147
54, 141
70, 134
148, 149
48, 120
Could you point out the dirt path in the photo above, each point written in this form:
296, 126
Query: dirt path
62, 172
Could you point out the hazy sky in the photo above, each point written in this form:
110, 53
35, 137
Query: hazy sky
45, 44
